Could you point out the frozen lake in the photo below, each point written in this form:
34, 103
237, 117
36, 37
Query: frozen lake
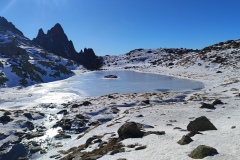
92, 84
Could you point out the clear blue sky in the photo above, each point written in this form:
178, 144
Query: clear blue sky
117, 26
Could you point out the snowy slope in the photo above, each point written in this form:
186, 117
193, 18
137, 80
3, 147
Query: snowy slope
22, 63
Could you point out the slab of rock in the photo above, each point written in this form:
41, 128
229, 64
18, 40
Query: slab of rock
62, 136
185, 140
129, 130
7, 113
28, 115
203, 151
85, 103
217, 101
29, 125
200, 124
34, 134
35, 149
110, 76
140, 148
208, 106
64, 112
146, 101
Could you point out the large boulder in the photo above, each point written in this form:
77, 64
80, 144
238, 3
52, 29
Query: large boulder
129, 130
5, 119
202, 151
200, 124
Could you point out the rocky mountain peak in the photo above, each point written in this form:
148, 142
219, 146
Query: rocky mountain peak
40, 33
57, 42
5, 25
57, 32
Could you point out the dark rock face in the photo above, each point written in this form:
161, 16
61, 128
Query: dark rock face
129, 130
29, 125
28, 115
4, 24
56, 41
185, 140
64, 112
201, 124
146, 101
65, 124
5, 119
202, 151
17, 151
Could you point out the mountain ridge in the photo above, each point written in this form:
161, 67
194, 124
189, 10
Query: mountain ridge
57, 42
23, 63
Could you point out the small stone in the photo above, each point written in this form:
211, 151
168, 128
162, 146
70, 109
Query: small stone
207, 106
7, 113
146, 101
64, 112
217, 101
140, 148
62, 136
233, 127
28, 115
110, 76
35, 149
185, 140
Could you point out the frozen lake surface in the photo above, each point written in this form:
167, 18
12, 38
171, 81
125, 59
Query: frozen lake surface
92, 84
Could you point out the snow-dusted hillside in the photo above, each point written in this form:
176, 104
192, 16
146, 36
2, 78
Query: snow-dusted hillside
219, 56
23, 63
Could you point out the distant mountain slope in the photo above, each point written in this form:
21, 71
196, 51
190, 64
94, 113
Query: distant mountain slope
221, 55
56, 41
23, 63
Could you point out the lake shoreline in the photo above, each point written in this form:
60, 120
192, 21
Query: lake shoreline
162, 111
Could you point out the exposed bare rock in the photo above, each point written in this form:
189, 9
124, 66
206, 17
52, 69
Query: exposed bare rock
200, 124
202, 151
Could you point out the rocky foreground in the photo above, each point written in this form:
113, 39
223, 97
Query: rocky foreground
190, 125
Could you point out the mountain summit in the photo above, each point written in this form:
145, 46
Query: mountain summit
57, 42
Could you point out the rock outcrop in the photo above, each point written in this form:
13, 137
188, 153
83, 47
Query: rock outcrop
5, 25
22, 63
56, 42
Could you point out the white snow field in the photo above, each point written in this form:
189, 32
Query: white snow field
164, 112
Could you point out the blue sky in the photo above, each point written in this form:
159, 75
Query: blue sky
115, 27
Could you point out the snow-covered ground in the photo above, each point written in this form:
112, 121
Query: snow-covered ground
165, 112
